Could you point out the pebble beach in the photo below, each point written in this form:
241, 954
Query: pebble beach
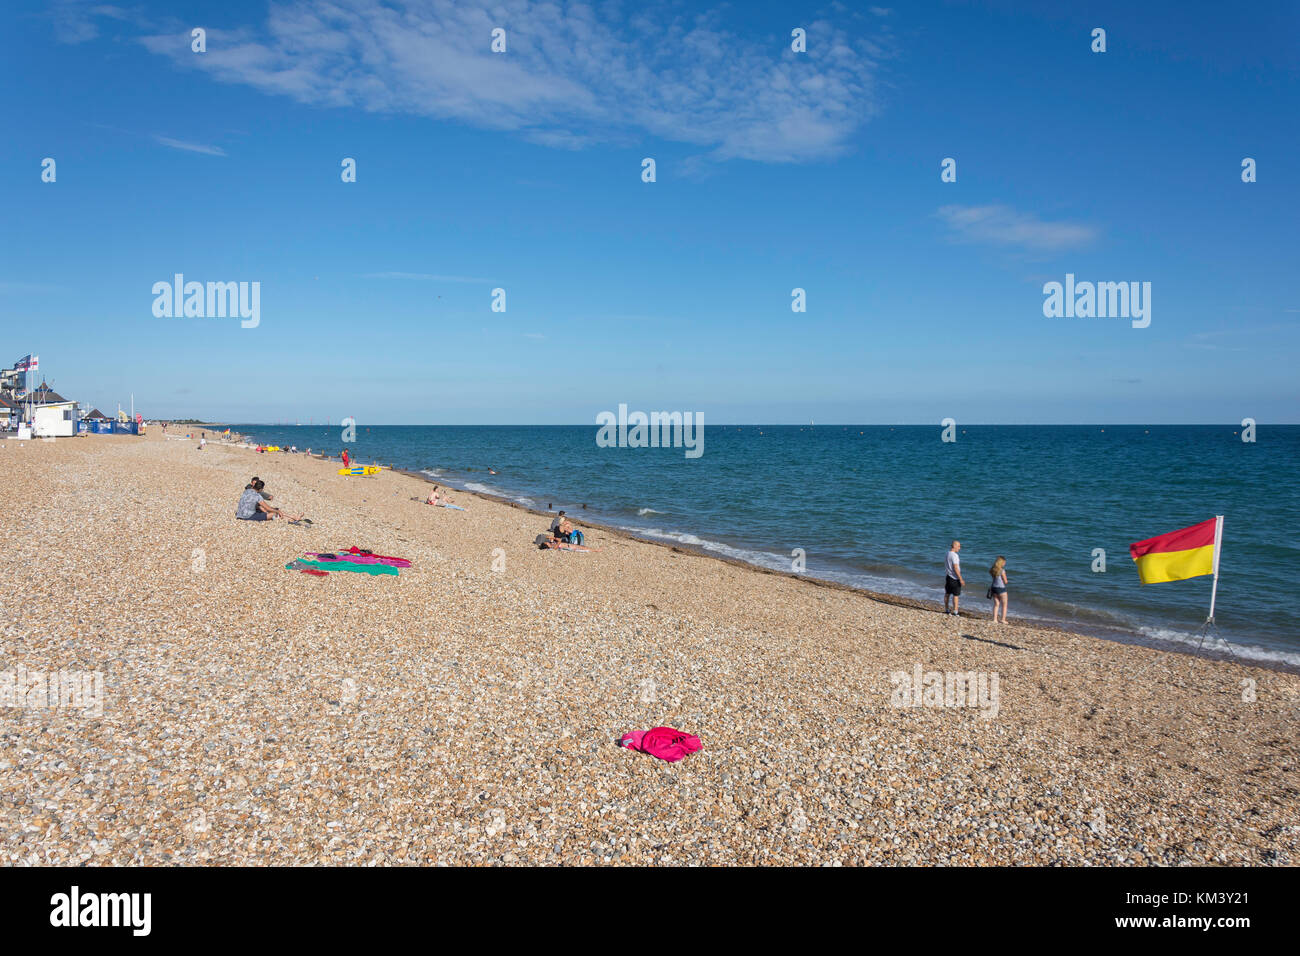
468, 710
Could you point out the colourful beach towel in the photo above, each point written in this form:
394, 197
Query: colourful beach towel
358, 558
386, 558
666, 743
342, 566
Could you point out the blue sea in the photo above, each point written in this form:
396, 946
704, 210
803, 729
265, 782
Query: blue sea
876, 506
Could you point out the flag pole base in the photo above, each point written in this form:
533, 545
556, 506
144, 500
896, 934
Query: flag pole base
1208, 629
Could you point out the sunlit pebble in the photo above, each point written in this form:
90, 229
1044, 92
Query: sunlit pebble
468, 684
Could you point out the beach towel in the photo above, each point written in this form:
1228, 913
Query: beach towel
358, 558
342, 566
366, 551
302, 566
665, 743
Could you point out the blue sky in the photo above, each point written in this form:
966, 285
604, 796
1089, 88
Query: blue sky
775, 170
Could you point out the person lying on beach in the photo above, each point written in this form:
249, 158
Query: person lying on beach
251, 507
548, 542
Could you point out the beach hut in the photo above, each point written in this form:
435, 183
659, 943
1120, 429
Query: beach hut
55, 420
53, 416
9, 414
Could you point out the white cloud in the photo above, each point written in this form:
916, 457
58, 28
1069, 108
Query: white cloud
1005, 226
568, 77
191, 147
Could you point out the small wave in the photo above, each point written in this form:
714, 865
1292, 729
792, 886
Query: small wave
763, 558
431, 472
642, 512
482, 489
1252, 652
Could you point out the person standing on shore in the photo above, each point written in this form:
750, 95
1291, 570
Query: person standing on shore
346, 460
998, 590
952, 584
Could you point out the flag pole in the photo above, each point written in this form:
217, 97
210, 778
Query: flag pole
1218, 541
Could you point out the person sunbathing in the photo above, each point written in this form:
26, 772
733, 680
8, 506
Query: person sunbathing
569, 533
438, 500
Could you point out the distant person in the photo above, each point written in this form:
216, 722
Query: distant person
953, 583
347, 462
998, 590
203, 443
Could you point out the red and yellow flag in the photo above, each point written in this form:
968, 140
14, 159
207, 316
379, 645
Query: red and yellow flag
1188, 553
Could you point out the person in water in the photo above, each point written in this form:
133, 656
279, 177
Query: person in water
998, 590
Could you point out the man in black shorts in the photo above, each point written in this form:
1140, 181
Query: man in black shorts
952, 583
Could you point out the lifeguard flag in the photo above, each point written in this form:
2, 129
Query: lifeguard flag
1188, 553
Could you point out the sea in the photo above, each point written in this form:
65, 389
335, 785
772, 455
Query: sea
876, 506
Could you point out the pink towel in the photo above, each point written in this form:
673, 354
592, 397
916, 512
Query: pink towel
662, 742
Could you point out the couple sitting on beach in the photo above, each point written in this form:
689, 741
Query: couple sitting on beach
564, 532
953, 582
253, 505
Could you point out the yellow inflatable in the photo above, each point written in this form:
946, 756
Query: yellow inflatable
361, 470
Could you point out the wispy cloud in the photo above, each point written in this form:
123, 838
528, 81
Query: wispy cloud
77, 21
423, 276
1005, 226
569, 76
190, 147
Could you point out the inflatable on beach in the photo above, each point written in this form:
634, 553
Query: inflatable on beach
361, 470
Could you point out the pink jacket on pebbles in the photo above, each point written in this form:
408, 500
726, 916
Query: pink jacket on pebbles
662, 742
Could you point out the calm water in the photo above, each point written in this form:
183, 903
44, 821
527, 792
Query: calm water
876, 506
